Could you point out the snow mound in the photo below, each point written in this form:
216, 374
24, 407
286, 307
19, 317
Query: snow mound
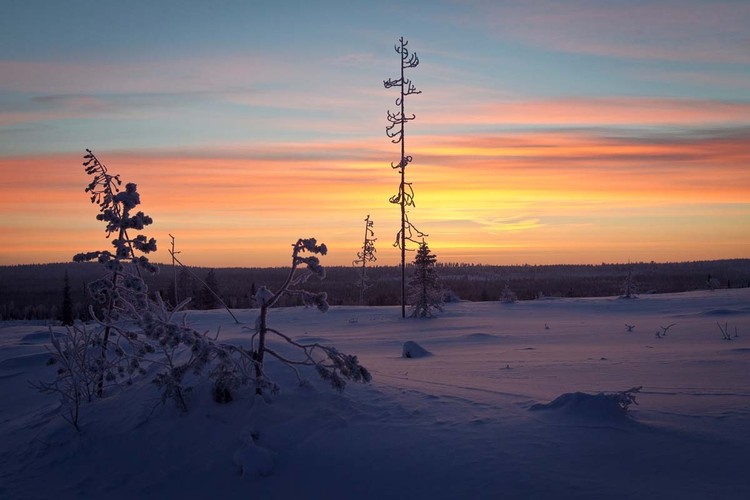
39, 337
310, 339
601, 407
252, 460
722, 312
482, 337
21, 364
414, 350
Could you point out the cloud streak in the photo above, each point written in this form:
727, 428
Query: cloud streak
499, 191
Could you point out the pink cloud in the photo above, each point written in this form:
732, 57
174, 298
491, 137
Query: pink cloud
636, 111
668, 30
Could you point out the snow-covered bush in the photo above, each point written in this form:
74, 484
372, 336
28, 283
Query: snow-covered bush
712, 283
425, 290
629, 287
600, 406
78, 368
449, 296
508, 296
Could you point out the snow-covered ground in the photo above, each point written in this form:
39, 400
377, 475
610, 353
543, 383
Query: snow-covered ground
457, 423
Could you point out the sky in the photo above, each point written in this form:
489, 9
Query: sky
546, 131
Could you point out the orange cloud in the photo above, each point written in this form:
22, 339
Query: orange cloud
524, 197
636, 111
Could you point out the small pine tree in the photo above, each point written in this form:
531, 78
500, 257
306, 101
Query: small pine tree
66, 315
426, 294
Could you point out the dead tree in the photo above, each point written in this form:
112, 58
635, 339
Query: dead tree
365, 255
395, 130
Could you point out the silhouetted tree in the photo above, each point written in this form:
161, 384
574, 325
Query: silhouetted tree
185, 284
66, 315
396, 131
629, 287
207, 296
365, 255
425, 291
123, 285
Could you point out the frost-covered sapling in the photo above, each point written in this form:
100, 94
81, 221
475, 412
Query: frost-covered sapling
425, 289
365, 256
122, 291
135, 329
331, 365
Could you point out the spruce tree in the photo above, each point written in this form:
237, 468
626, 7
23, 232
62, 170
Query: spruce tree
425, 291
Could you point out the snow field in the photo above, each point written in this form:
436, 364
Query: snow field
456, 424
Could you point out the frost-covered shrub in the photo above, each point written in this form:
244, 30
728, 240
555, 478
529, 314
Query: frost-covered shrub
78, 366
629, 287
599, 406
449, 296
331, 365
508, 296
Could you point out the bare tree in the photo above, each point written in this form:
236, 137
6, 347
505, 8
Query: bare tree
172, 252
367, 254
396, 131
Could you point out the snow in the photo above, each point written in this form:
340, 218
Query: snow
457, 424
411, 349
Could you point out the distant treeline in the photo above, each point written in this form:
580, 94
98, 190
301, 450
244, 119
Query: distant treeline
36, 291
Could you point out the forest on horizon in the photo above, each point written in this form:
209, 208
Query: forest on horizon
35, 291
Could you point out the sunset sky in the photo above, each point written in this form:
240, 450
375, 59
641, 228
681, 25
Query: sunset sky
546, 131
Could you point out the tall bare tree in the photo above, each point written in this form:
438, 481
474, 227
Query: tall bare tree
396, 130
